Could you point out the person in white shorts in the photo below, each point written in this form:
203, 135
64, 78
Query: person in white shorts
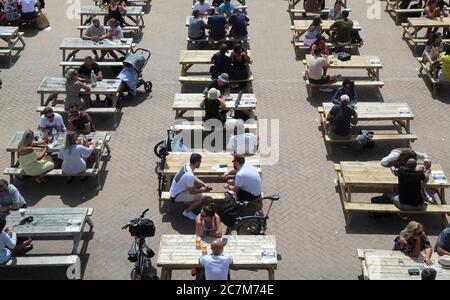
187, 188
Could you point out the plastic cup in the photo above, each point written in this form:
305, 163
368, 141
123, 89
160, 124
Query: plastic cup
198, 241
204, 249
22, 212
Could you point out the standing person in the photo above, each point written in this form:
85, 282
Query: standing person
187, 188
74, 156
218, 26
202, 6
348, 88
341, 117
246, 184
73, 90
196, 29
412, 241
213, 104
94, 32
49, 121
216, 264
238, 22
10, 198
221, 62
317, 70
79, 121
207, 222
8, 243
342, 30
443, 242
28, 9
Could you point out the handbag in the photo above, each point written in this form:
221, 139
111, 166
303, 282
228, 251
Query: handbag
41, 20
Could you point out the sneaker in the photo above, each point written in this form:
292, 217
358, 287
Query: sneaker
189, 214
326, 90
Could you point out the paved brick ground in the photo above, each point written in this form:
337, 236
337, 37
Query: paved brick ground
308, 221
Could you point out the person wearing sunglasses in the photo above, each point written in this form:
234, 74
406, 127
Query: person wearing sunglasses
10, 198
49, 121
94, 32
79, 121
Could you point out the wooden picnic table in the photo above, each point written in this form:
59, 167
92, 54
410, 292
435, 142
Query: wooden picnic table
300, 27
375, 111
185, 102
178, 252
124, 46
11, 35
293, 3
188, 58
417, 24
373, 174
372, 64
52, 224
134, 13
144, 3
394, 265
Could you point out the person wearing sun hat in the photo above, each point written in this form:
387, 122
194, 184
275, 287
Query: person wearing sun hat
341, 117
213, 105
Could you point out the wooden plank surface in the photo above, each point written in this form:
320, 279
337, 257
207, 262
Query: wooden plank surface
192, 102
378, 110
91, 10
388, 265
176, 160
77, 43
303, 25
178, 251
371, 173
356, 62
426, 22
8, 31
200, 56
56, 85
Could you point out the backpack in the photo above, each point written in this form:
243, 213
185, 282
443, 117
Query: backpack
365, 139
229, 213
356, 38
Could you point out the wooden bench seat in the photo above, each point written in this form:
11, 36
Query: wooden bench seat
7, 52
77, 64
202, 127
28, 261
165, 197
206, 79
54, 172
125, 28
90, 110
337, 84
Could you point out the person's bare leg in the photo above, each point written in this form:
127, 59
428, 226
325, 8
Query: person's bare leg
87, 100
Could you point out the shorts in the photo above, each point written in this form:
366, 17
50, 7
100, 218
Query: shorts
395, 199
246, 196
324, 79
187, 197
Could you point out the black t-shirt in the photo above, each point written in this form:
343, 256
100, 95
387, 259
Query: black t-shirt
212, 109
342, 118
409, 183
221, 64
215, 85
85, 71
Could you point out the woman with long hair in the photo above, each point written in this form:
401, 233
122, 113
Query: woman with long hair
207, 222
413, 240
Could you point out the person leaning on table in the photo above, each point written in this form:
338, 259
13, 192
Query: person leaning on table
10, 198
9, 245
73, 90
79, 121
217, 264
341, 117
412, 241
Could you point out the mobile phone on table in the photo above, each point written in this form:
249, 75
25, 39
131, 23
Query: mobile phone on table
413, 272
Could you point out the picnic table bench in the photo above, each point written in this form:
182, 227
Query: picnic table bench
102, 137
293, 3
294, 12
394, 265
135, 29
414, 25
11, 35
250, 252
425, 66
393, 8
355, 174
229, 40
144, 3
135, 14
54, 86
191, 102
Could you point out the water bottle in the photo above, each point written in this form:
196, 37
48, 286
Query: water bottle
54, 132
93, 79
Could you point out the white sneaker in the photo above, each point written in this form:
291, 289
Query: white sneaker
326, 90
189, 214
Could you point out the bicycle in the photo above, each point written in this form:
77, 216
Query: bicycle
140, 228
253, 224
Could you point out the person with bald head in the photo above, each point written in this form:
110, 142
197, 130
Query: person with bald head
216, 264
410, 180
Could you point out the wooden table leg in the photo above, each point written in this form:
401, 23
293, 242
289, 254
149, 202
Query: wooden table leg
163, 274
271, 274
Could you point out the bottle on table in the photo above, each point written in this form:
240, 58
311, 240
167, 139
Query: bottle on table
93, 79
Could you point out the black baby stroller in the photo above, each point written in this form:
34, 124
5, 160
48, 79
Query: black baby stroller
137, 60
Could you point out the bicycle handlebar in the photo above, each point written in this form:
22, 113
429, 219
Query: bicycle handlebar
144, 212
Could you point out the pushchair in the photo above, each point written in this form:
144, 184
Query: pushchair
131, 74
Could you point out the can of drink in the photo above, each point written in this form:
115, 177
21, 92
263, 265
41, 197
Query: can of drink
198, 241
204, 249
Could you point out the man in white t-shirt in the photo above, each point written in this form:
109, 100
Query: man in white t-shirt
317, 69
50, 120
247, 181
203, 6
187, 188
242, 142
217, 264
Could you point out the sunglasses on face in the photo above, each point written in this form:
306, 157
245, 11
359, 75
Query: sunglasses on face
50, 116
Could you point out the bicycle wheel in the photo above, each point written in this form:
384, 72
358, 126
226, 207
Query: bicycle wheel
249, 227
158, 149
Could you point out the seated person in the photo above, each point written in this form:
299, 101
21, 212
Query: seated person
226, 8
238, 22
443, 242
85, 70
187, 188
398, 157
203, 6
207, 222
444, 71
336, 11
246, 185
196, 29
317, 70
11, 11
342, 30
74, 156
221, 84
321, 44
30, 161
313, 5
116, 10
73, 90
341, 117
49, 121
410, 181
243, 142
404, 4
113, 32
9, 245
432, 10
10, 198
428, 274
412, 241
239, 64
28, 9
314, 31
216, 264
218, 26
212, 105
433, 46
94, 32
348, 88
79, 121
221, 62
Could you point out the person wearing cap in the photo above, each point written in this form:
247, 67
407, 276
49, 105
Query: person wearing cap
341, 116
212, 105
317, 70
221, 62
443, 242
221, 84
348, 88
73, 89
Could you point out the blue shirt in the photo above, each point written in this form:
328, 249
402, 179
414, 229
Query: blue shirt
217, 25
336, 99
238, 24
444, 240
7, 242
12, 198
226, 9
